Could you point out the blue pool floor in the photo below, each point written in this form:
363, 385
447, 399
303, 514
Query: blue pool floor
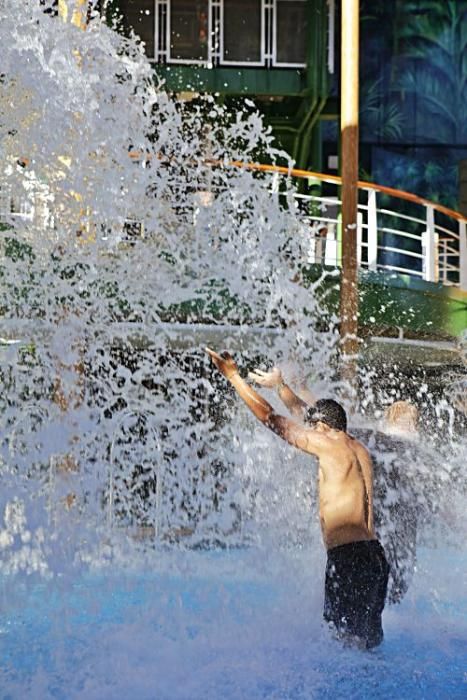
226, 626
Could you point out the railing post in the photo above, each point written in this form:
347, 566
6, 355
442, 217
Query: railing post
331, 254
359, 238
275, 182
463, 255
443, 259
372, 231
331, 34
429, 247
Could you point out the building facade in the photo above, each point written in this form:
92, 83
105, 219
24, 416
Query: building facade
284, 55
278, 53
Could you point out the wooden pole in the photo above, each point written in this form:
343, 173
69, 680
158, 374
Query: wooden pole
349, 170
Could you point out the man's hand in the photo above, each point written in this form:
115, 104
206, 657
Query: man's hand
268, 379
224, 363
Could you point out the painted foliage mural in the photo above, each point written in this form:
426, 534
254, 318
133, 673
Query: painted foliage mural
413, 97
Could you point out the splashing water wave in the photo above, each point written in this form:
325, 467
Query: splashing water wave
120, 452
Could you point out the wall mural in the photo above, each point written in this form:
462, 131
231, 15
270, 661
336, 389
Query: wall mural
413, 95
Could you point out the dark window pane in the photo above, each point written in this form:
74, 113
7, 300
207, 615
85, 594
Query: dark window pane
189, 29
291, 32
139, 15
242, 30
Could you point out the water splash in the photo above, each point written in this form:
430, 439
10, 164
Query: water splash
135, 254
120, 449
123, 425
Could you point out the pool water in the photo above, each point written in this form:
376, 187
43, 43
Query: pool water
234, 624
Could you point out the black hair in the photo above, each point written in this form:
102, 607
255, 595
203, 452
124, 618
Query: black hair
329, 412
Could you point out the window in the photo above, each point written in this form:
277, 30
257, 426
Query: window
226, 32
139, 16
189, 30
243, 32
290, 33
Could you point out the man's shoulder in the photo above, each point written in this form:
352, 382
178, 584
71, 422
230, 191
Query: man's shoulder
359, 446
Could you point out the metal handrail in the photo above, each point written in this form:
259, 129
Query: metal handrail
337, 180
433, 241
428, 241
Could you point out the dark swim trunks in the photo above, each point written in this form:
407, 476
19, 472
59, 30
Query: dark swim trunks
355, 591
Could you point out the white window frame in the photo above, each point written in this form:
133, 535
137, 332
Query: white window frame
268, 44
275, 62
331, 35
216, 31
253, 64
160, 53
189, 61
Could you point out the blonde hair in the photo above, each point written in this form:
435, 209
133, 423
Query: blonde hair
402, 414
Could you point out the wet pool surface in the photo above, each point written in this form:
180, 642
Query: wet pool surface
224, 627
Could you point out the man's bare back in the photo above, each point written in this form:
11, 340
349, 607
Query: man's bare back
345, 467
345, 479
345, 492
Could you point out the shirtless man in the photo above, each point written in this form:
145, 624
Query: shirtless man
356, 571
392, 449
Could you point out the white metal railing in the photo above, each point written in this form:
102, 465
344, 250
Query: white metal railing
31, 208
411, 236
411, 245
415, 244
13, 208
396, 231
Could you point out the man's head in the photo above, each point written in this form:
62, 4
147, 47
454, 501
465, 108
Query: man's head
402, 415
329, 412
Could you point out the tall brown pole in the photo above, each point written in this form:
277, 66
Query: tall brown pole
349, 170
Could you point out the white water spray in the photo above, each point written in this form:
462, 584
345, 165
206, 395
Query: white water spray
118, 445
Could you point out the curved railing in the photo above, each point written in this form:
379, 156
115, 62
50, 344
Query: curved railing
397, 231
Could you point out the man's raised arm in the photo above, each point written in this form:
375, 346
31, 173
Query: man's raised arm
274, 379
287, 429
255, 402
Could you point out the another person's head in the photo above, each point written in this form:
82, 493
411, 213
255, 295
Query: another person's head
401, 416
329, 413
